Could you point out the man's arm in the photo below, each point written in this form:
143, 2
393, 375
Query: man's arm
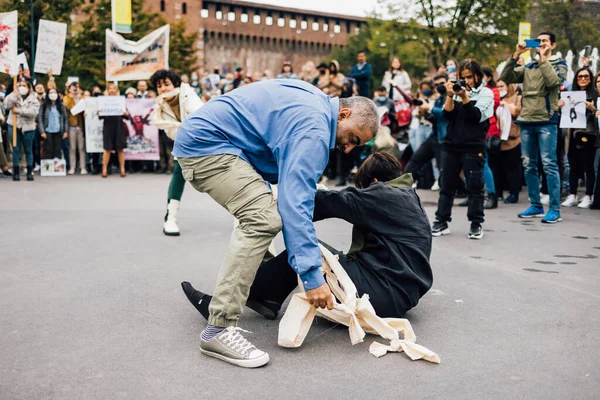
361, 75
554, 75
512, 73
341, 204
301, 161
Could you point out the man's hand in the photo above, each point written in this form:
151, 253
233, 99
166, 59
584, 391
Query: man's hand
590, 105
544, 52
320, 297
449, 90
585, 61
521, 48
463, 94
65, 135
15, 110
43, 135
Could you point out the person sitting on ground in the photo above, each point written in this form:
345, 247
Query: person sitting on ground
391, 245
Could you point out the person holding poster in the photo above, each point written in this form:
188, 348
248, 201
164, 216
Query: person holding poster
25, 105
582, 143
76, 139
53, 124
114, 135
176, 101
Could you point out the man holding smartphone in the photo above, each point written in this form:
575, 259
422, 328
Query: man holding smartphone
539, 120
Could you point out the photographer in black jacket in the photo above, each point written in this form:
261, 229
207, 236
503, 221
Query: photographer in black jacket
468, 107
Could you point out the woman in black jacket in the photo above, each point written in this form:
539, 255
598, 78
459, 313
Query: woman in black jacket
53, 124
391, 245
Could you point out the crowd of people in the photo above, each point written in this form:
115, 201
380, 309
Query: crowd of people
523, 144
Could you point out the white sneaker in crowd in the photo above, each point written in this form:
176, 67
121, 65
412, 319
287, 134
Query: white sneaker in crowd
84, 172
570, 201
435, 186
586, 202
545, 199
36, 168
71, 172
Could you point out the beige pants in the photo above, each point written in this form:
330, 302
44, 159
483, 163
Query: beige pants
235, 185
77, 144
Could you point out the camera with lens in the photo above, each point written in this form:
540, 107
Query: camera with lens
417, 102
458, 86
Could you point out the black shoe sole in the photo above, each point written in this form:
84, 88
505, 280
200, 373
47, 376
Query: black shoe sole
171, 233
189, 290
262, 309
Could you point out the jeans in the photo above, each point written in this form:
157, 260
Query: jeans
27, 137
418, 136
542, 138
236, 186
472, 165
488, 176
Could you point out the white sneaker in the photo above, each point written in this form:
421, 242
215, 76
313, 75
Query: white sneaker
84, 172
36, 168
545, 199
435, 186
71, 172
170, 227
570, 201
586, 202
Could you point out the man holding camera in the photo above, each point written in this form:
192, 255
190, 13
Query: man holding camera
539, 121
467, 108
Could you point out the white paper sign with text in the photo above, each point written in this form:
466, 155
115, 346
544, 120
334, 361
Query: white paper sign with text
50, 48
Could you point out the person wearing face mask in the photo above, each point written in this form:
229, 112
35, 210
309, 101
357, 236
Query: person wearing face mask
196, 84
24, 104
450, 69
395, 77
176, 101
507, 163
468, 108
53, 124
322, 79
37, 143
76, 140
336, 80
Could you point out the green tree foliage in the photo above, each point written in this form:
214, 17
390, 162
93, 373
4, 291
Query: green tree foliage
85, 48
574, 22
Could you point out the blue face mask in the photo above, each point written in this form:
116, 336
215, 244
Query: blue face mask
427, 93
382, 98
451, 68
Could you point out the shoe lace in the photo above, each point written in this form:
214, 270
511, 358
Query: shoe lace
234, 339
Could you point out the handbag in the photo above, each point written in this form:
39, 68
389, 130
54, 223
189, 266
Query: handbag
493, 144
403, 109
585, 139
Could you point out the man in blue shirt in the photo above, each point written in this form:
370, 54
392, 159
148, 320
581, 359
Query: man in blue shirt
361, 73
280, 131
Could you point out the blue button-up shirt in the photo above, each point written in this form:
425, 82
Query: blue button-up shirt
53, 120
285, 129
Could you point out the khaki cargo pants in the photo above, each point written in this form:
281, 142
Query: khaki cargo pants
235, 185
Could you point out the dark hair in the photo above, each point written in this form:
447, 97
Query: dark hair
552, 36
381, 89
381, 166
591, 88
474, 68
162, 75
47, 102
361, 51
440, 76
287, 64
596, 80
487, 71
427, 82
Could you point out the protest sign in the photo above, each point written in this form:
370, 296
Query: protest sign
93, 127
525, 33
8, 42
72, 79
573, 111
111, 105
127, 60
54, 167
142, 139
50, 47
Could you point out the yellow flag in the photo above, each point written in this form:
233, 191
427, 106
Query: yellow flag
525, 33
121, 15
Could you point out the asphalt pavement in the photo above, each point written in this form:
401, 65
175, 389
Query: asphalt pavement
91, 307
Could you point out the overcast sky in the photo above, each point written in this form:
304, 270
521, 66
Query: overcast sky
360, 8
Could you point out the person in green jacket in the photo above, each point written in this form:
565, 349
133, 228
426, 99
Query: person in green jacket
539, 120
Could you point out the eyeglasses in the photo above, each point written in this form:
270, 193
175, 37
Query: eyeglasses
583, 77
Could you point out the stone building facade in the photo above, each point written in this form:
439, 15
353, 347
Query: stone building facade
258, 36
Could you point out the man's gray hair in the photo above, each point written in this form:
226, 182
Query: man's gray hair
363, 112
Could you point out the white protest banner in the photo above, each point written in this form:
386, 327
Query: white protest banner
50, 47
142, 138
78, 108
111, 105
8, 42
573, 111
93, 127
127, 60
72, 79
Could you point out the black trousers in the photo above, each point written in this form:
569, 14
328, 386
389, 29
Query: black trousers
276, 280
52, 145
507, 168
472, 165
581, 161
429, 150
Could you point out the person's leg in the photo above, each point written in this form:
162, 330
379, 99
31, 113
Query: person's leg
449, 171
473, 165
37, 148
488, 176
28, 139
573, 170
81, 147
548, 142
56, 143
177, 183
73, 149
66, 150
498, 172
424, 154
560, 156
16, 151
105, 161
235, 185
530, 150
121, 157
176, 187
590, 173
512, 166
